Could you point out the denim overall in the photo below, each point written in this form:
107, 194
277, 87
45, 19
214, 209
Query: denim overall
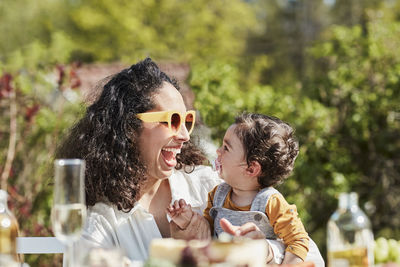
256, 214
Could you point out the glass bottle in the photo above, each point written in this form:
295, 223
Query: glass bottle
8, 230
350, 238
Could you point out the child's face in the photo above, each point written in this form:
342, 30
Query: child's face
232, 162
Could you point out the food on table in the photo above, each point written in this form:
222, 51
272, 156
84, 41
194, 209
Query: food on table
224, 252
238, 252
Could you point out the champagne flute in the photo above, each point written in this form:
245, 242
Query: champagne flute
69, 209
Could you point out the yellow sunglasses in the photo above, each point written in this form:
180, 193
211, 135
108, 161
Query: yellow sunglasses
175, 119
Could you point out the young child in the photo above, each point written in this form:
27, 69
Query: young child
258, 152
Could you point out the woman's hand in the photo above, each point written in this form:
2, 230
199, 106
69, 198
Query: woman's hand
198, 228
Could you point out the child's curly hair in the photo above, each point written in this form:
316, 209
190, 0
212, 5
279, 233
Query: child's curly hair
270, 142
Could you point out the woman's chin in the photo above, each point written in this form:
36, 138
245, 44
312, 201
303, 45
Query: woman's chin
162, 173
166, 172
166, 167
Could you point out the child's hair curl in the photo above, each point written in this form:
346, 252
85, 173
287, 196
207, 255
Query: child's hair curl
271, 143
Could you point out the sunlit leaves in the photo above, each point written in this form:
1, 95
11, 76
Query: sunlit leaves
179, 30
362, 85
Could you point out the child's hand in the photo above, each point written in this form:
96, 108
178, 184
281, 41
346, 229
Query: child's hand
177, 207
181, 213
249, 229
198, 228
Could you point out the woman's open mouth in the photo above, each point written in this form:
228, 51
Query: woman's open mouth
169, 155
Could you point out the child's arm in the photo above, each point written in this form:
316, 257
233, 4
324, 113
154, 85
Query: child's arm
288, 227
180, 213
291, 258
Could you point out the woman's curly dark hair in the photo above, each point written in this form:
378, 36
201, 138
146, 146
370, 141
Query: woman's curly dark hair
107, 137
270, 142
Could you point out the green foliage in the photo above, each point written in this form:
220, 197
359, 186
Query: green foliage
218, 83
22, 22
356, 74
39, 55
42, 114
218, 95
127, 30
362, 82
178, 30
346, 116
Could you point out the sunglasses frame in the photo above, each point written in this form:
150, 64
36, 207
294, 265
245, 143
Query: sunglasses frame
166, 116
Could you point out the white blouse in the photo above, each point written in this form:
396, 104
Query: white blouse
108, 227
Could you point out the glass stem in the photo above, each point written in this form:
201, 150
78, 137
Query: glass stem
69, 255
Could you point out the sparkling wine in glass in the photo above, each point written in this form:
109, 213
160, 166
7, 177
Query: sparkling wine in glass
69, 209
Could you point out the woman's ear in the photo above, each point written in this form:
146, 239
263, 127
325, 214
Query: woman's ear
254, 169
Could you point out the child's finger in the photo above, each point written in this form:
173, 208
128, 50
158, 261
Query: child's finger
176, 204
170, 210
170, 207
186, 208
247, 228
228, 227
251, 230
182, 202
254, 235
172, 214
168, 213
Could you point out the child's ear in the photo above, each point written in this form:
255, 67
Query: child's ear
254, 169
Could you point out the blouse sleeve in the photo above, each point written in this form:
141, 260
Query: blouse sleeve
98, 232
287, 225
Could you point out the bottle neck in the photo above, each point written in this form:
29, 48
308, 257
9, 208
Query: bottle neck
348, 200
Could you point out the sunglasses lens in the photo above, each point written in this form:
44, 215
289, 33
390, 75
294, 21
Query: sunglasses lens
189, 122
175, 121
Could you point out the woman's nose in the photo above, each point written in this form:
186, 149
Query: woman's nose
183, 134
219, 151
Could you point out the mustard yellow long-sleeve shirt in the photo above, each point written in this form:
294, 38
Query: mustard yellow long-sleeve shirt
282, 216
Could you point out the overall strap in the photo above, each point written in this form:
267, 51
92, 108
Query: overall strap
220, 194
261, 199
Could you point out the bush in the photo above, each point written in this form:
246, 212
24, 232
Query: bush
347, 119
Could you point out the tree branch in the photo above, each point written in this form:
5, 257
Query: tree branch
13, 139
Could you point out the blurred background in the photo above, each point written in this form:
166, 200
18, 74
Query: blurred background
330, 68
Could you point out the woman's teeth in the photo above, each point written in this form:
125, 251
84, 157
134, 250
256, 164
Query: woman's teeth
169, 155
173, 150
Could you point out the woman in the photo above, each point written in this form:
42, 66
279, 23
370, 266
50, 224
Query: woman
130, 158
135, 139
